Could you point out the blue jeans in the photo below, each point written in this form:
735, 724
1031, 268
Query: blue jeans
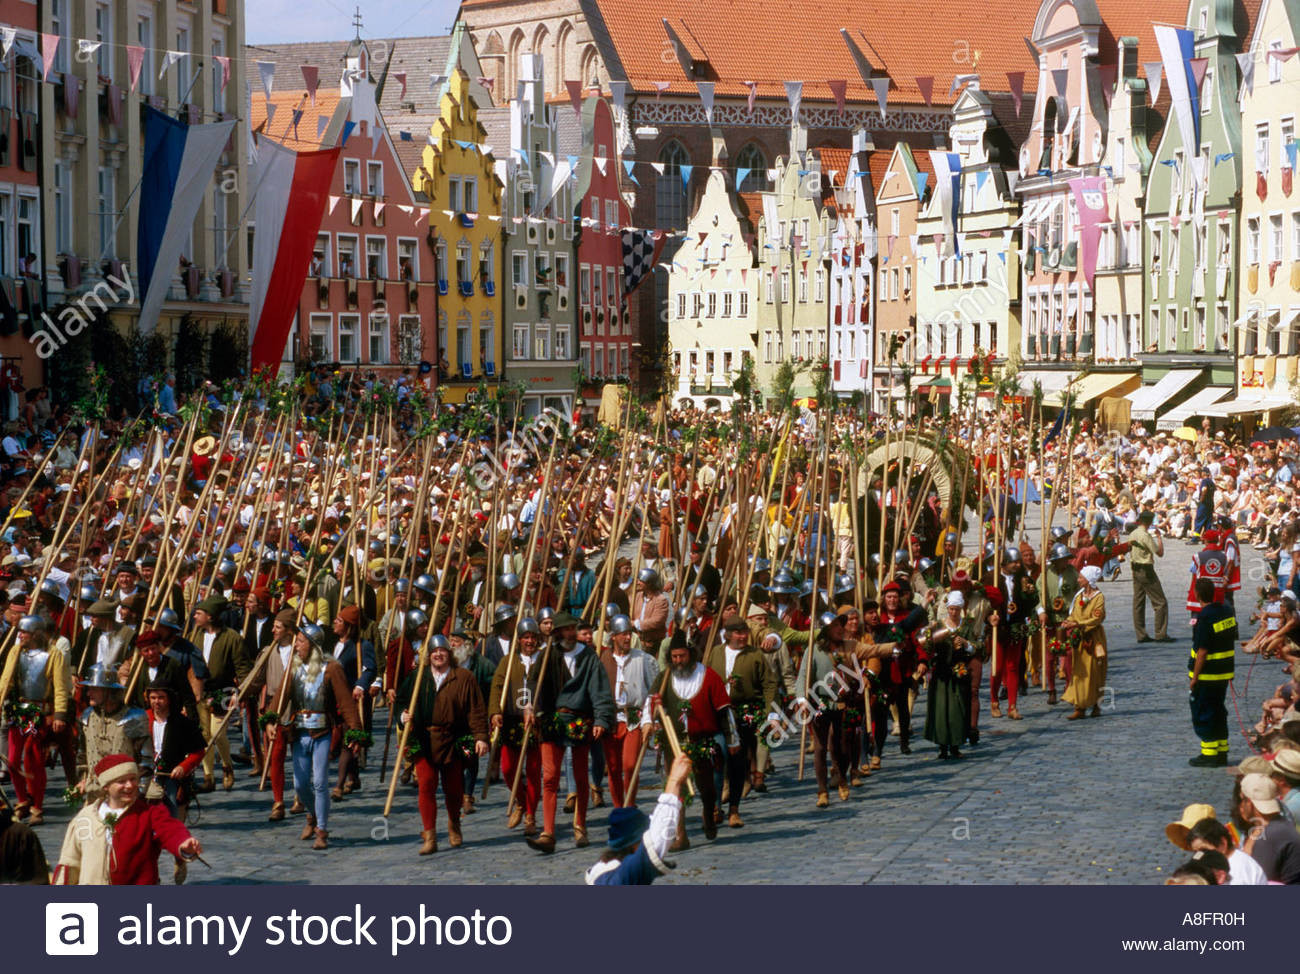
311, 769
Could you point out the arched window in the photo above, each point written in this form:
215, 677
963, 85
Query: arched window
1050, 121
513, 53
590, 72
670, 192
751, 158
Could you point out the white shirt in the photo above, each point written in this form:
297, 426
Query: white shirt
159, 727
1244, 870
208, 639
620, 686
528, 662
439, 678
571, 658
731, 659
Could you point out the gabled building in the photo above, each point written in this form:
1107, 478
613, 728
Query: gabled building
370, 299
1268, 311
540, 307
712, 311
605, 318
904, 185
851, 205
465, 197
793, 253
968, 302
1192, 214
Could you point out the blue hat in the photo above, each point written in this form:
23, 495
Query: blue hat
626, 826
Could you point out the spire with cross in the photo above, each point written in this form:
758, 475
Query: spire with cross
356, 22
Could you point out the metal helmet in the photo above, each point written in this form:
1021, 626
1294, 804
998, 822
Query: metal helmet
1058, 552
50, 587
402, 586
528, 625
168, 619
761, 565
439, 641
31, 624
699, 592
825, 620
227, 566
546, 612
414, 620
88, 593
784, 583
509, 581
620, 624
648, 576
1012, 554
806, 587
314, 633
503, 613
427, 584
925, 564
611, 610
1059, 533
874, 560
900, 556
844, 582
103, 677
683, 615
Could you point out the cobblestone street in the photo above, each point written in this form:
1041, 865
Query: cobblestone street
1038, 801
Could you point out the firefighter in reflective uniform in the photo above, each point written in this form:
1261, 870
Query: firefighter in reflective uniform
37, 706
1211, 563
1209, 671
1232, 551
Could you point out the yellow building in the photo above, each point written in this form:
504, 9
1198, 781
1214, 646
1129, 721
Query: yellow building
458, 177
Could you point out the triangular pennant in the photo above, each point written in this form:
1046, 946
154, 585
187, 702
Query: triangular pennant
170, 58
311, 78
49, 47
356, 202
421, 214
926, 87
661, 87
793, 94
322, 123
1198, 66
334, 201
838, 92
742, 173
85, 48
658, 167
705, 89
1154, 72
881, 87
686, 177
270, 115
266, 69
575, 95
1246, 62
379, 210
753, 93
400, 78
628, 164
7, 35
348, 127
436, 79
375, 133
1060, 81
618, 92
224, 61
1016, 85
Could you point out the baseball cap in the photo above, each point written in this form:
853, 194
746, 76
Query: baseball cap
1262, 793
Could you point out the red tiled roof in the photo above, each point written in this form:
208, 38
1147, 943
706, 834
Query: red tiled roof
282, 129
772, 41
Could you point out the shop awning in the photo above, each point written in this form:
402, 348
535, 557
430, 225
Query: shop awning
1195, 406
1052, 381
1146, 402
1094, 385
1248, 402
927, 386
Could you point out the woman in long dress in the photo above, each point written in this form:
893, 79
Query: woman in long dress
1087, 640
951, 645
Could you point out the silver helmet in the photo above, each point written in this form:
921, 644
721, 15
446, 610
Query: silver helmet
103, 677
844, 582
31, 623
509, 581
402, 586
620, 624
314, 633
528, 625
439, 641
168, 619
648, 576
1058, 552
414, 620
611, 609
546, 612
427, 584
826, 619
504, 612
784, 583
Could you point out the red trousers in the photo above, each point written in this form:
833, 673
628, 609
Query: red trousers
621, 747
277, 752
1011, 660
453, 789
552, 764
531, 785
27, 760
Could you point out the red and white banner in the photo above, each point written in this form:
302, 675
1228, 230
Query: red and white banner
291, 192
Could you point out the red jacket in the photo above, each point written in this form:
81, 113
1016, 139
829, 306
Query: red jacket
141, 833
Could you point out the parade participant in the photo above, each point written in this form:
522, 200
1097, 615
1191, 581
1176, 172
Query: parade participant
650, 610
156, 667
1084, 633
1232, 552
116, 840
177, 746
450, 726
183, 652
517, 686
1015, 622
356, 656
256, 631
822, 689
1145, 546
752, 687
1210, 564
38, 707
277, 665
583, 712
633, 675
109, 726
227, 663
634, 855
107, 641
897, 676
695, 699
1059, 583
465, 653
319, 699
700, 573
949, 649
1209, 670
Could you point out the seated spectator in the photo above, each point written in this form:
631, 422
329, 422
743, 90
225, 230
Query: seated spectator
1272, 840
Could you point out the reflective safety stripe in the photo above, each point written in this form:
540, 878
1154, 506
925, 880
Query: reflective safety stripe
1215, 676
1228, 655
1223, 625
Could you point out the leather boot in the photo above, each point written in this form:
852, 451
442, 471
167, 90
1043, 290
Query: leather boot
277, 812
515, 817
759, 785
309, 828
733, 819
322, 840
454, 838
228, 778
580, 836
429, 845
256, 770
297, 808
542, 843
467, 805
209, 784
823, 800
530, 825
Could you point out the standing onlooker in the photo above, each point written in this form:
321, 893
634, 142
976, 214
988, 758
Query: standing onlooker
1144, 548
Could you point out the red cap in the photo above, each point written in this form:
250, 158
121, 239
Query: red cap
114, 766
892, 587
150, 637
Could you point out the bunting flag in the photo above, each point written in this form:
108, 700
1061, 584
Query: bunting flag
618, 92
1090, 197
266, 69
322, 123
661, 87
705, 89
375, 134
400, 78
839, 91
575, 95
224, 61
1223, 157
404, 136
742, 173
1061, 81
641, 251
292, 189
961, 79
600, 162
270, 115
686, 177
49, 48
421, 214
628, 164
1246, 62
1016, 85
1108, 73
297, 117
947, 183
435, 80
311, 78
981, 178
348, 126
379, 210
881, 87
793, 94
1290, 150
1152, 71
169, 58
1283, 54
7, 35
926, 87
180, 160
85, 48
753, 93
1177, 45
1199, 66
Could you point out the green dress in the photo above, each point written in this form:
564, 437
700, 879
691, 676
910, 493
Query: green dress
947, 709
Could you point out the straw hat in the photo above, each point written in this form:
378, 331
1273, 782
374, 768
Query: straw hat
1176, 832
205, 446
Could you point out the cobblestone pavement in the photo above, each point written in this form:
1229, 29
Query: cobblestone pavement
1038, 801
